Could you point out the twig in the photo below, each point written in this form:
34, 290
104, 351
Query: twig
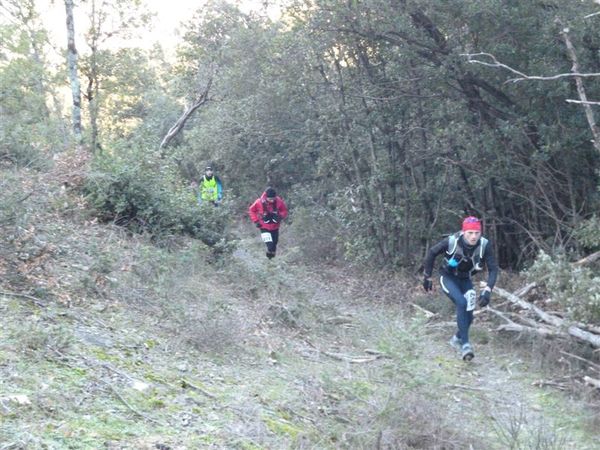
542, 383
111, 368
10, 445
581, 102
35, 300
427, 313
120, 397
339, 320
469, 388
593, 365
351, 359
65, 362
185, 383
5, 408
440, 324
522, 76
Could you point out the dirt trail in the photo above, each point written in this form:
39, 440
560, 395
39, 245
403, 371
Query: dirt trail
492, 397
255, 354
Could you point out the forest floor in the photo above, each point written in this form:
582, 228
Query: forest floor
126, 345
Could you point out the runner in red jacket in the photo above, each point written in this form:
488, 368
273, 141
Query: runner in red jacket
267, 212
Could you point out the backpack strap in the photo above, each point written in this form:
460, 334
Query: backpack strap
453, 243
482, 244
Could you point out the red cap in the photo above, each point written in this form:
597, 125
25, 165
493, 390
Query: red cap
471, 223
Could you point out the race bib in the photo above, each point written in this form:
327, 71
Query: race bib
471, 298
266, 237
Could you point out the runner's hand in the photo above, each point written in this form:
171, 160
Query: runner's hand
484, 298
427, 284
257, 224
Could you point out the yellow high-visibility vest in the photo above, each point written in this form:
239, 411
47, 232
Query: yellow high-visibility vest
209, 190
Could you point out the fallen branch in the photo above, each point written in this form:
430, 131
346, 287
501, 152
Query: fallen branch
542, 331
525, 289
592, 365
35, 300
592, 14
427, 313
440, 324
354, 359
185, 383
120, 397
587, 327
584, 335
555, 384
339, 320
515, 327
469, 388
544, 316
572, 330
591, 382
65, 360
589, 258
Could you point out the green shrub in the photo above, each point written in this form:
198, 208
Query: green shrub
11, 208
576, 288
588, 233
142, 192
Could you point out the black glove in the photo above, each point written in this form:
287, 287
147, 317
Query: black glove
484, 298
258, 225
427, 284
275, 217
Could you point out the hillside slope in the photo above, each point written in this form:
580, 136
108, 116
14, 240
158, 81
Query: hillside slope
123, 345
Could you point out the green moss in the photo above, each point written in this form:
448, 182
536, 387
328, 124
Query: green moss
281, 426
102, 355
150, 343
151, 376
157, 403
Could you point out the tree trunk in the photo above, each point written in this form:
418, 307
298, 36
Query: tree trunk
74, 78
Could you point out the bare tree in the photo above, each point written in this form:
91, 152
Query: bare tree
73, 76
575, 73
200, 99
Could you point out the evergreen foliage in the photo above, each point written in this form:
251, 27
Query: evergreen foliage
140, 191
575, 289
371, 109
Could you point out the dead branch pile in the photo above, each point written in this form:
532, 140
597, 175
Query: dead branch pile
523, 316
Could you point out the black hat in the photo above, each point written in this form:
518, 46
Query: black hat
271, 193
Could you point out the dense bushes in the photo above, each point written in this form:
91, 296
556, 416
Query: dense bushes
576, 289
142, 192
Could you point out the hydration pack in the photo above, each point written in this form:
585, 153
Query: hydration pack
455, 257
270, 217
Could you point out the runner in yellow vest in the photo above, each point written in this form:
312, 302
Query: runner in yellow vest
211, 188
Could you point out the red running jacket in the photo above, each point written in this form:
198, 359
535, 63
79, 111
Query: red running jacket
261, 211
